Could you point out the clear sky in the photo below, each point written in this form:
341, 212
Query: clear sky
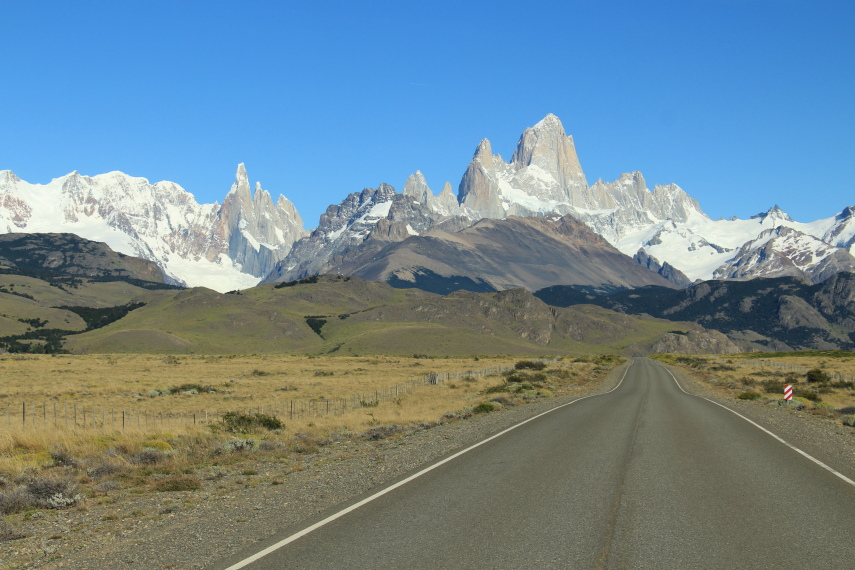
744, 104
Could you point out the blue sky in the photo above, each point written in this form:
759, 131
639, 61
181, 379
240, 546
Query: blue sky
743, 104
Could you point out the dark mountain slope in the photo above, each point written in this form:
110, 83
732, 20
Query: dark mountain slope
531, 253
775, 313
68, 255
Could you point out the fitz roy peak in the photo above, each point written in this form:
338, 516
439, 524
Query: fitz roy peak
663, 229
221, 247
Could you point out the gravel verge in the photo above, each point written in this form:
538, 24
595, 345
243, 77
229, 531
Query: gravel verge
194, 529
824, 439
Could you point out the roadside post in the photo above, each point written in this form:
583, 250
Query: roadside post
788, 392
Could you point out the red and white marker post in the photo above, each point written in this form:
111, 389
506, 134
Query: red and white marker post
788, 392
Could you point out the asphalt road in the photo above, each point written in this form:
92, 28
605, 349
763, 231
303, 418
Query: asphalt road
645, 476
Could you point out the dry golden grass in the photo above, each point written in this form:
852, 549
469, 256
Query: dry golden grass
123, 381
120, 383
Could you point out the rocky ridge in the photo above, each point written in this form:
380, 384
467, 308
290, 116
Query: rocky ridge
196, 244
251, 237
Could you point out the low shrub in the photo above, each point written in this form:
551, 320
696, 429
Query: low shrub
237, 422
158, 445
148, 456
237, 445
483, 408
817, 376
562, 373
773, 386
40, 492
530, 365
381, 432
848, 410
749, 396
808, 395
101, 470
848, 420
520, 377
178, 483
63, 458
691, 361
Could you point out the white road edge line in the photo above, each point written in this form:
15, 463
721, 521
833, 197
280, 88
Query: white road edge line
758, 426
272, 548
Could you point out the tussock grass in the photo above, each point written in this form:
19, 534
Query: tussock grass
50, 467
821, 380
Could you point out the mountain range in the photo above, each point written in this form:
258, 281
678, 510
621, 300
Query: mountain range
62, 292
767, 314
532, 222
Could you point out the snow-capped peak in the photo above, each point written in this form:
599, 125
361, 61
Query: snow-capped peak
772, 215
193, 243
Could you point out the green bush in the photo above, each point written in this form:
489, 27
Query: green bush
808, 395
484, 408
817, 376
749, 396
237, 422
521, 376
773, 386
529, 365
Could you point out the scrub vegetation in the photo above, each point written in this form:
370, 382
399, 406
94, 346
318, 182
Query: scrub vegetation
45, 465
823, 381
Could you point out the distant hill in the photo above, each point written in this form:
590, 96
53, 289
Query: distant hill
51, 255
56, 285
348, 315
783, 313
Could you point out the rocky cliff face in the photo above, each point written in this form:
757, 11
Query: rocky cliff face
544, 176
223, 247
359, 227
251, 230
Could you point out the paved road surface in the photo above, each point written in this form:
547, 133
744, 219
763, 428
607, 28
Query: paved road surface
643, 477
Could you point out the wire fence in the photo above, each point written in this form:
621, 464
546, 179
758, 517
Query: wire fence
79, 416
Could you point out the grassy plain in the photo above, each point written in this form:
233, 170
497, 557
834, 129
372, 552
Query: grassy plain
105, 385
762, 376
